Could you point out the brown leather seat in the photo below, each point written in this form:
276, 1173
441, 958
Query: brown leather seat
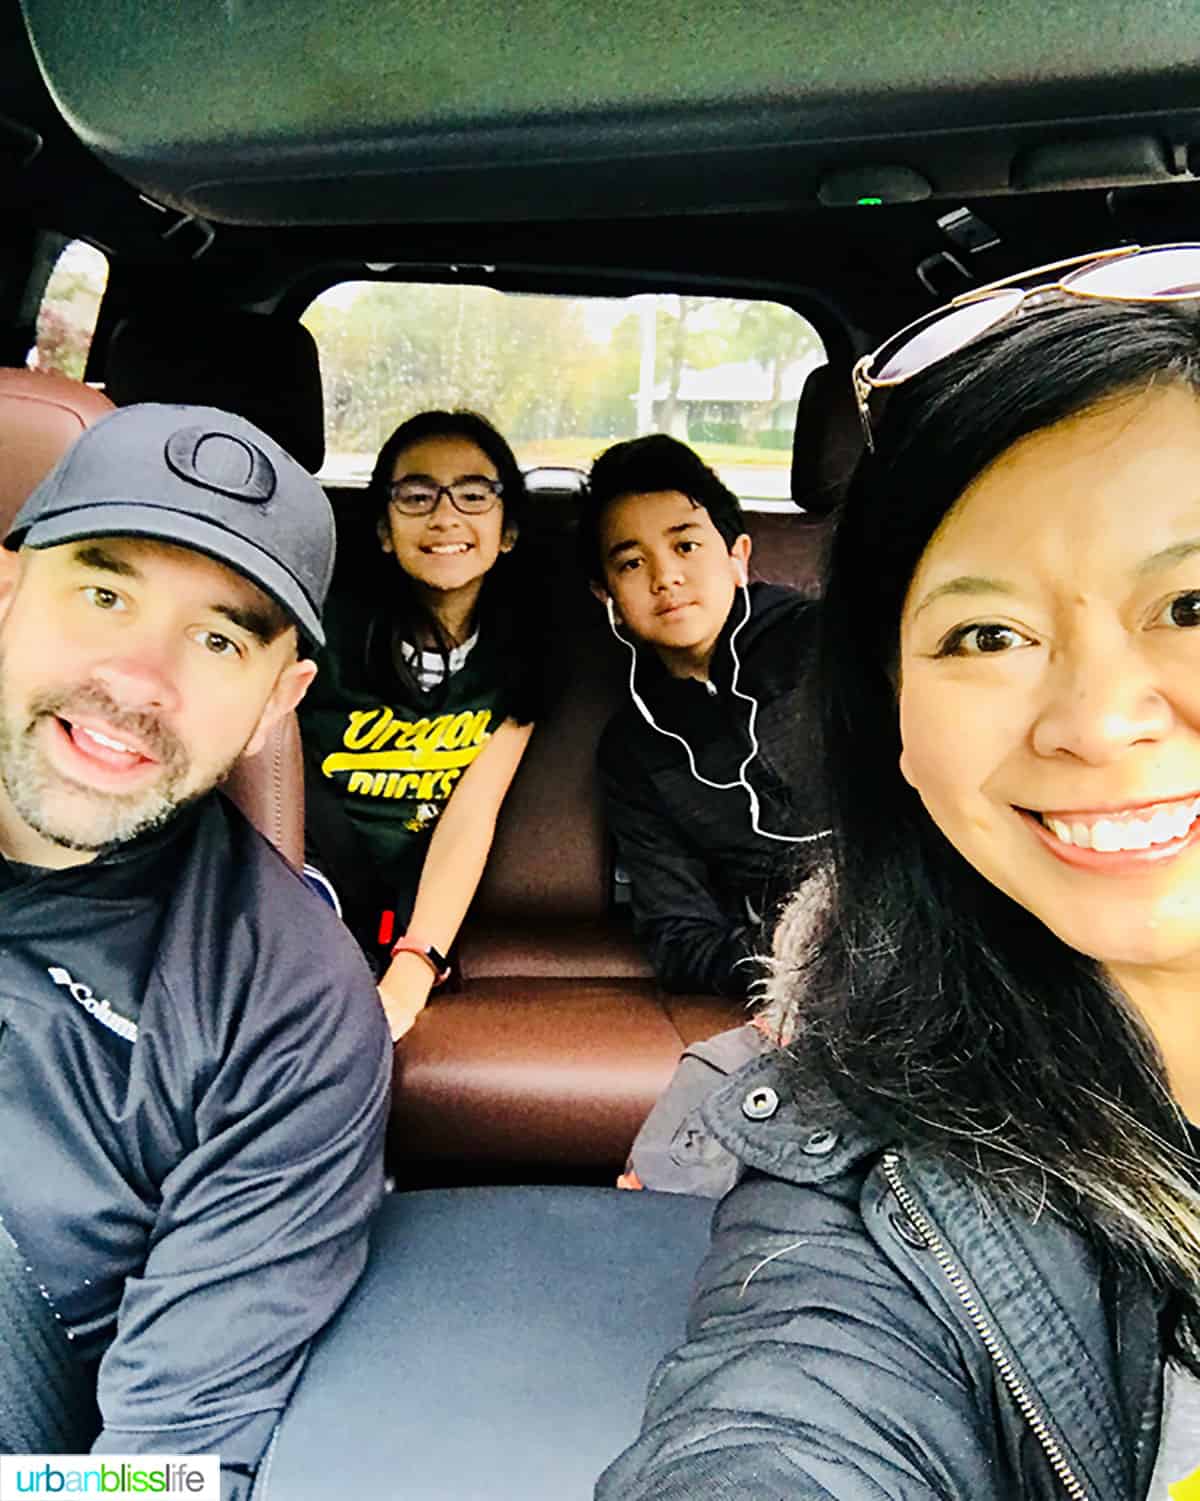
269, 789
560, 1040
41, 415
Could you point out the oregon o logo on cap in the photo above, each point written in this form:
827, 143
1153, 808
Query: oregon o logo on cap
220, 461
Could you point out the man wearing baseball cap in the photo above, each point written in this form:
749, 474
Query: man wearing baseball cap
193, 1061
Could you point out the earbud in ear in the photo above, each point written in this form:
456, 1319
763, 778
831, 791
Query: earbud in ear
739, 572
612, 612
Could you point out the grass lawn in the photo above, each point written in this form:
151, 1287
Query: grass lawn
578, 453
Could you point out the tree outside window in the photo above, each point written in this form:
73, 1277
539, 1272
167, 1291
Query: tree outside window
70, 306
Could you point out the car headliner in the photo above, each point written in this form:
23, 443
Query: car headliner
556, 143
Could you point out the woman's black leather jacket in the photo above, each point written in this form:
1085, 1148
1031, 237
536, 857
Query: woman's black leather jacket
870, 1325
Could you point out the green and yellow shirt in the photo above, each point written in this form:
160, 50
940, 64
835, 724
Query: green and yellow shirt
391, 765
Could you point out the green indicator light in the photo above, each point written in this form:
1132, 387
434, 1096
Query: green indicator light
872, 201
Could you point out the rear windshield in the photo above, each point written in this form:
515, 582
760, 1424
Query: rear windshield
563, 377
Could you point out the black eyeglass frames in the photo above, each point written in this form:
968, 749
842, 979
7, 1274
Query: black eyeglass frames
473, 495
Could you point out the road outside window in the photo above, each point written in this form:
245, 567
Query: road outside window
563, 377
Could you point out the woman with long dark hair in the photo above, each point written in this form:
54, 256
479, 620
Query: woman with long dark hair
425, 700
964, 1257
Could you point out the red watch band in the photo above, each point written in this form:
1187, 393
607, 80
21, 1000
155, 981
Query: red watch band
435, 959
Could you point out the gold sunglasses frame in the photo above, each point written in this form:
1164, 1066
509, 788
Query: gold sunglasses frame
865, 383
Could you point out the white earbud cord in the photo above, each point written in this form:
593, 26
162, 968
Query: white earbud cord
751, 724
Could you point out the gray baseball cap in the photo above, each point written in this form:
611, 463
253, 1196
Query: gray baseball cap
199, 478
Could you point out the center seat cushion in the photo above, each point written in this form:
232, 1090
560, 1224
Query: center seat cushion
496, 1348
558, 1072
559, 1040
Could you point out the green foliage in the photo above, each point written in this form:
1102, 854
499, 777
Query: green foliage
710, 431
527, 363
67, 316
535, 365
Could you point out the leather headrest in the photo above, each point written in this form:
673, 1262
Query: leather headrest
263, 368
828, 441
41, 415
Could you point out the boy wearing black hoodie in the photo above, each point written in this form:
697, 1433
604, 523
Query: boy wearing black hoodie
710, 771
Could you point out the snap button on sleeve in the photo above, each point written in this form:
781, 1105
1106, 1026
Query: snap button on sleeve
820, 1143
760, 1104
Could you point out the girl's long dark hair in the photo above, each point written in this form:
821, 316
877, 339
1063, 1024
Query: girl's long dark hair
507, 601
936, 1006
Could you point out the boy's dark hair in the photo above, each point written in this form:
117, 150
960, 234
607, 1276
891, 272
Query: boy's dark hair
644, 466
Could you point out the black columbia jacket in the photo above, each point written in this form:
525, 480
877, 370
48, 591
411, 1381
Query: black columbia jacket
194, 1069
702, 882
869, 1326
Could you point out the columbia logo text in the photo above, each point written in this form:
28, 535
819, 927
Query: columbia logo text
100, 1009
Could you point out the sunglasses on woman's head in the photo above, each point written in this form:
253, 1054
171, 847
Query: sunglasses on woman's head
1154, 273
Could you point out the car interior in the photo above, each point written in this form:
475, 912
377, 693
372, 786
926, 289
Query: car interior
234, 167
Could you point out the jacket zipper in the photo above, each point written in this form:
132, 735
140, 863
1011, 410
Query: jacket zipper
1029, 1409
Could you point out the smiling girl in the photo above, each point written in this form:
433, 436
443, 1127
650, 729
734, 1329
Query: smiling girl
965, 1257
425, 700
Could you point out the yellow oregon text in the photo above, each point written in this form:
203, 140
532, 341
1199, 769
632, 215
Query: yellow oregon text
380, 729
411, 761
1187, 1489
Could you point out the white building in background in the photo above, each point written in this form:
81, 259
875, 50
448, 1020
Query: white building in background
733, 401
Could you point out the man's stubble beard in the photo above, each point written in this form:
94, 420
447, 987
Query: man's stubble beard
85, 818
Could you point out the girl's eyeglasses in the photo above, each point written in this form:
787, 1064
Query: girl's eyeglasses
470, 496
1131, 273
